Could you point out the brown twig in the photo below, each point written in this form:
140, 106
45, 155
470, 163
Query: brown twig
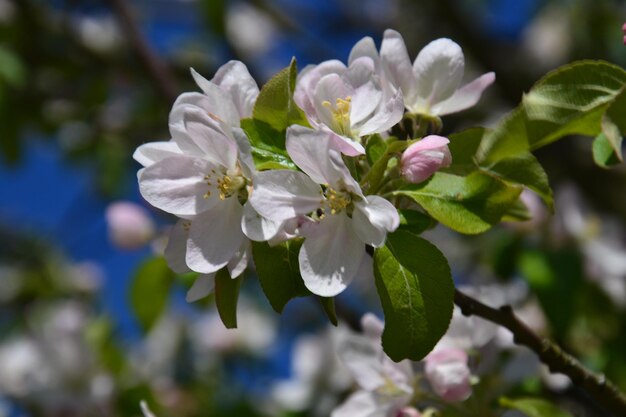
157, 69
601, 390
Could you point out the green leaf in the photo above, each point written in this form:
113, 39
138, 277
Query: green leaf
415, 286
372, 180
470, 204
226, 296
150, 290
12, 70
613, 129
328, 303
268, 145
604, 153
275, 105
463, 146
524, 169
569, 100
414, 221
375, 148
279, 272
534, 407
517, 213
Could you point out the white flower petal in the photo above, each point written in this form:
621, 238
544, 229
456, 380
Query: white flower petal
176, 185
283, 194
396, 63
362, 358
215, 237
373, 218
345, 146
330, 258
365, 100
201, 287
361, 404
152, 152
311, 151
307, 81
466, 96
257, 227
372, 327
217, 102
235, 78
438, 70
239, 262
386, 117
207, 136
176, 249
245, 151
360, 72
364, 47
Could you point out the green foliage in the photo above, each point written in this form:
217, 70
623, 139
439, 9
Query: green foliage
468, 204
534, 407
375, 148
226, 296
569, 100
275, 105
268, 145
415, 221
328, 304
149, 291
416, 290
279, 273
604, 154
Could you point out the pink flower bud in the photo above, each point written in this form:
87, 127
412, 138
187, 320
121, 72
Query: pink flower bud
408, 412
422, 159
624, 30
130, 225
449, 376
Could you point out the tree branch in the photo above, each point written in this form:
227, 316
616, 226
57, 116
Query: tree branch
602, 390
157, 69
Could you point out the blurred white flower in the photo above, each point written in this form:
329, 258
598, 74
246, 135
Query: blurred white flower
251, 30
318, 377
130, 225
99, 33
24, 368
448, 373
548, 38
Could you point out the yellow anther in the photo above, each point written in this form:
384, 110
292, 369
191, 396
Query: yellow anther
337, 200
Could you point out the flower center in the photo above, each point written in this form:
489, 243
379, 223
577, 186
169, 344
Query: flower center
226, 185
341, 114
338, 201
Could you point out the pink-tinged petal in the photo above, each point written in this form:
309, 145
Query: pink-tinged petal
396, 63
129, 225
330, 257
307, 81
215, 237
373, 218
149, 153
425, 157
448, 374
201, 287
362, 358
465, 97
388, 115
239, 262
365, 101
176, 249
217, 101
177, 185
257, 227
235, 78
438, 70
202, 136
364, 48
329, 89
311, 150
362, 404
283, 194
408, 412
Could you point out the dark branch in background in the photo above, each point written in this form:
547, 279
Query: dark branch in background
602, 390
157, 69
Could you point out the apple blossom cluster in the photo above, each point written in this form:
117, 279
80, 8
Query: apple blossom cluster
207, 177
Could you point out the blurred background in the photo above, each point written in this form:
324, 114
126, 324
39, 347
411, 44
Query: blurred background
91, 319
